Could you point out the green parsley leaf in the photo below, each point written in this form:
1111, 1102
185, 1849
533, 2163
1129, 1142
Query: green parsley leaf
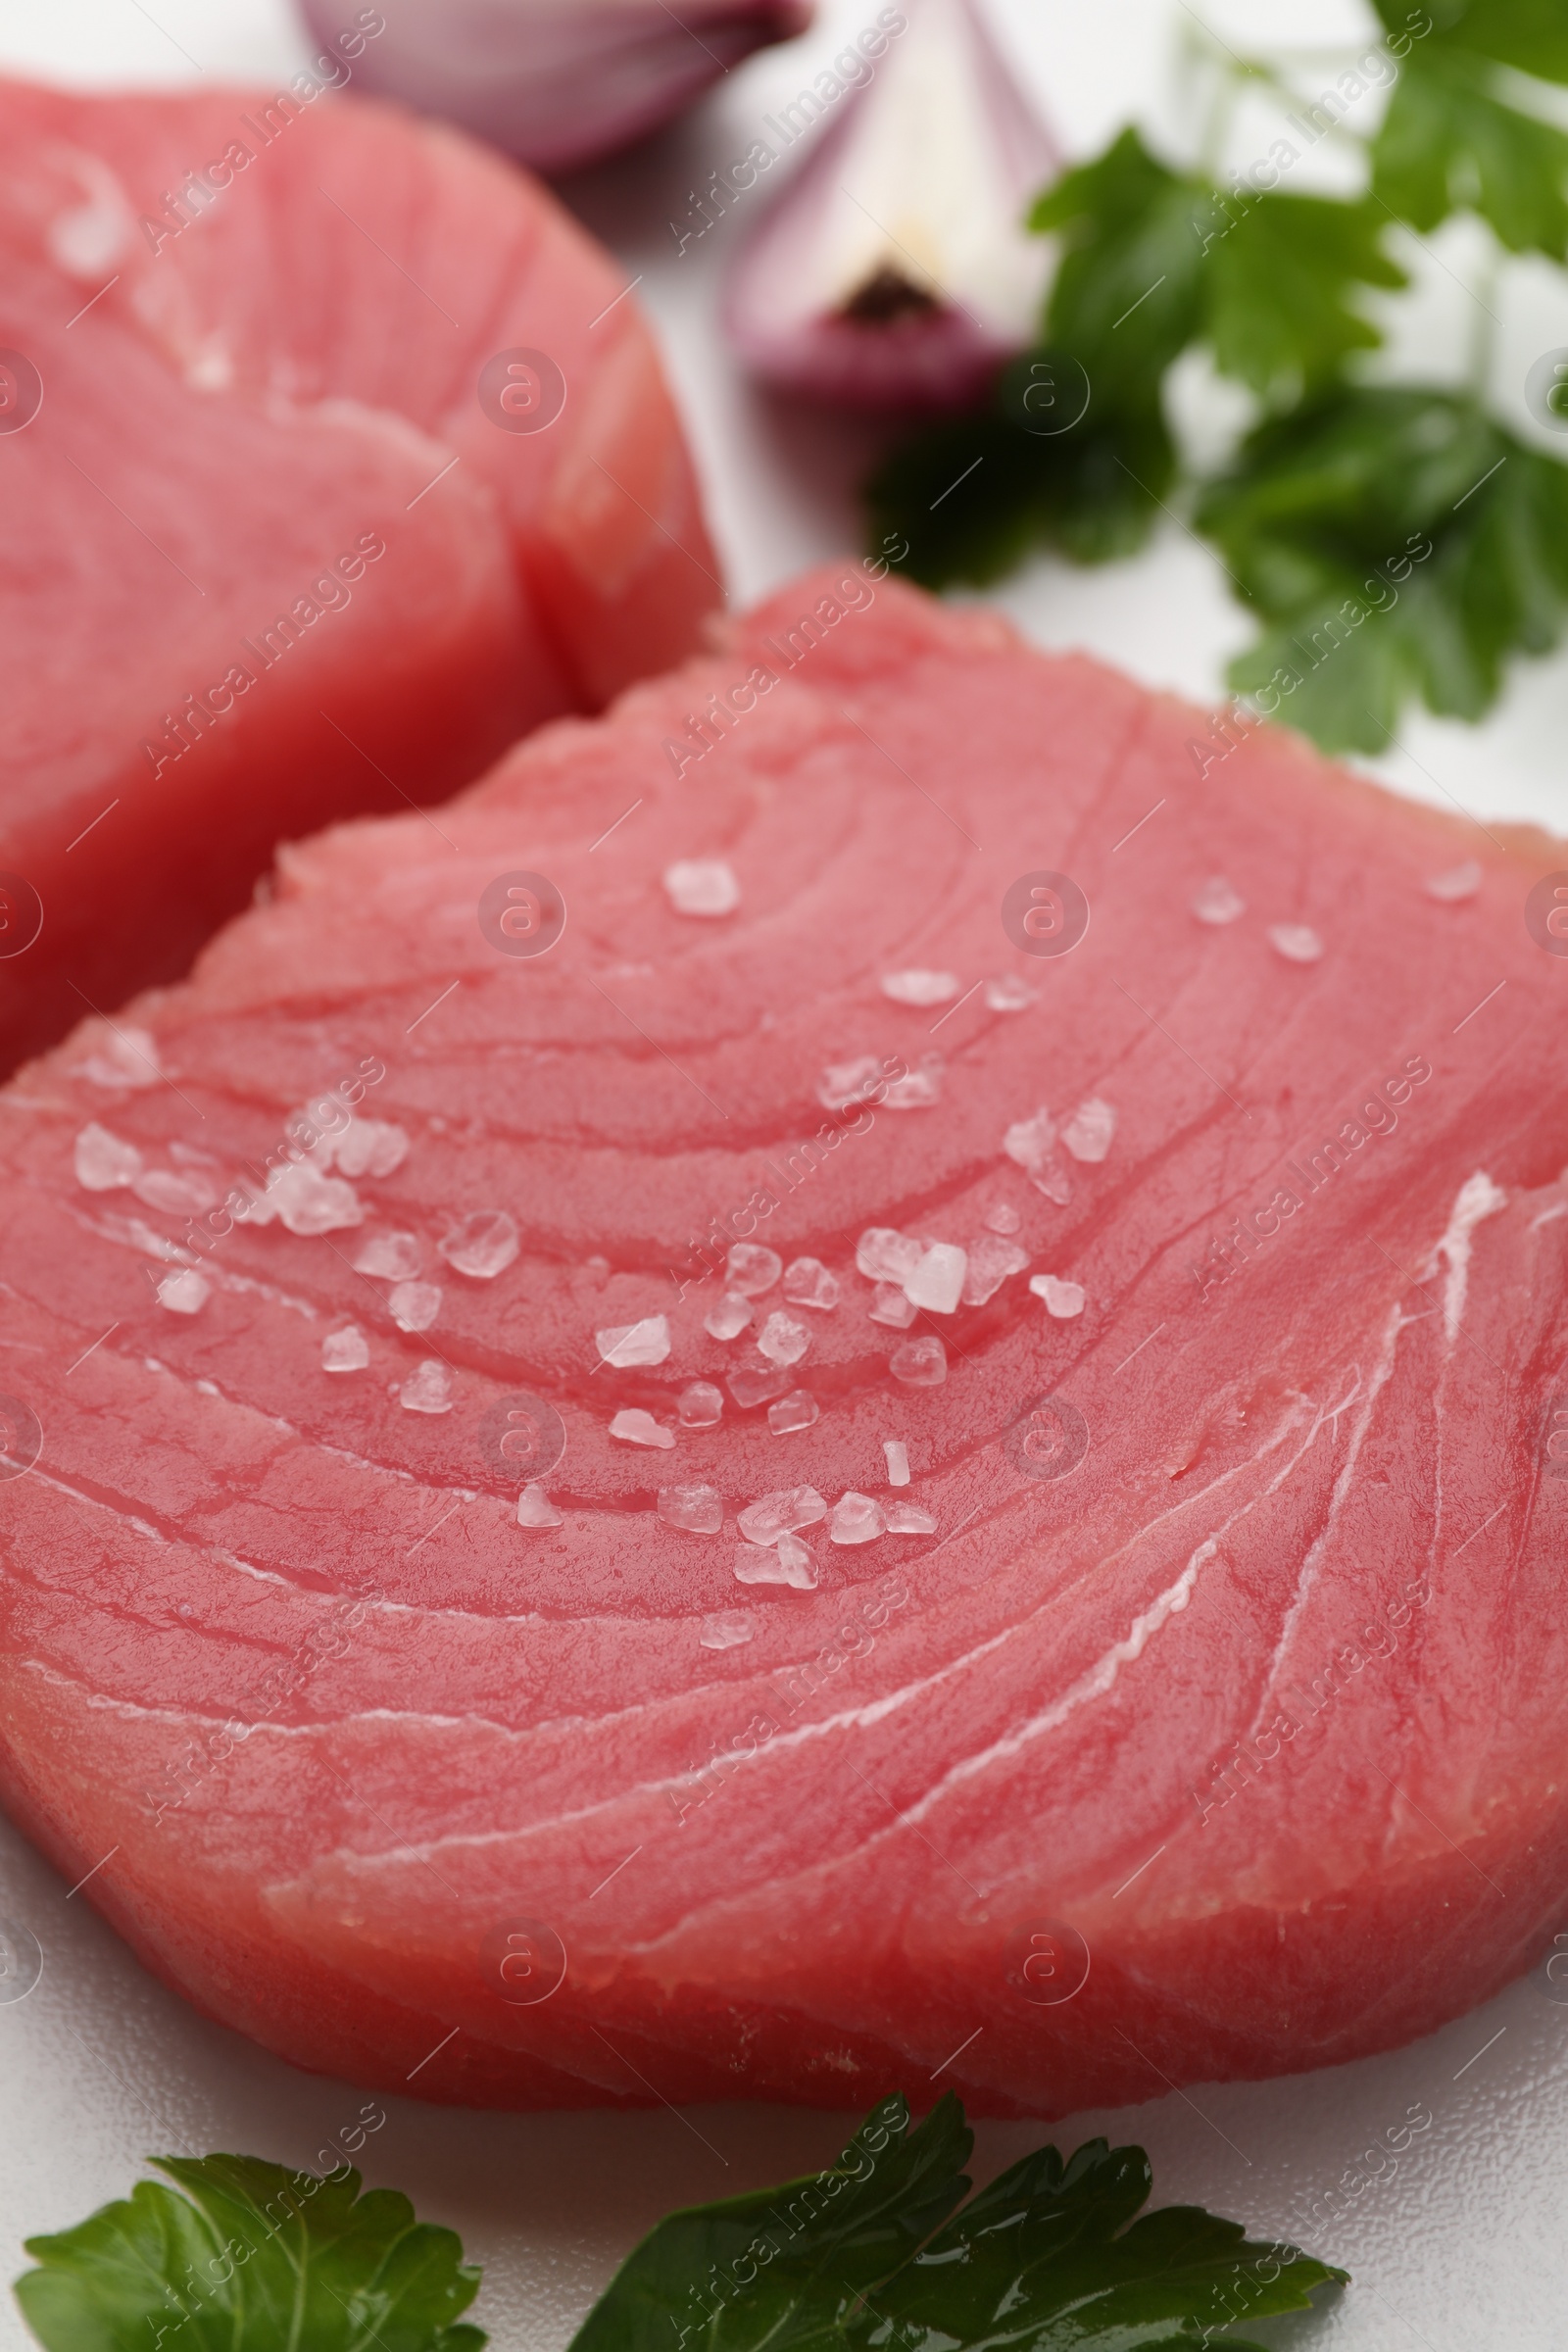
1449, 143
870, 2256
1398, 543
1279, 278
1530, 36
1125, 302
250, 2258
973, 497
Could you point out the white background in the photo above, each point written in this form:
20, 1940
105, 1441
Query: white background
1467, 2246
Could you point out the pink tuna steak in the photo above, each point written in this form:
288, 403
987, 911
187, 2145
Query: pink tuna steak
330, 463
895, 1392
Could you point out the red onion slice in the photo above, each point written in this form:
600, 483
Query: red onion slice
557, 82
894, 271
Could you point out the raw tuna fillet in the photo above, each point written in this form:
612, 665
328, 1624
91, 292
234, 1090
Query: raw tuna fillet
1119, 1534
274, 550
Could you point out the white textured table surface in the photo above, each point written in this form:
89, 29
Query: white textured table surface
1466, 2242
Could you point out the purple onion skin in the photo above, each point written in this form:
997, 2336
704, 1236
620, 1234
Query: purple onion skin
554, 83
927, 361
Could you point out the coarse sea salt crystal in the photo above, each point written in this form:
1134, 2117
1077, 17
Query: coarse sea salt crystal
702, 1406
627, 1343
696, 1510
752, 1381
789, 1563
845, 1082
884, 1254
991, 1260
898, 1455
1032, 1143
1297, 942
751, 1269
727, 1628
783, 1339
1063, 1299
702, 886
176, 1194
728, 1316
937, 1281
370, 1147
890, 1305
345, 1350
535, 1508
920, 987
797, 1411
908, 1519
428, 1390
119, 1057
808, 1283
781, 1513
1088, 1132
856, 1519
1460, 882
185, 1293
414, 1305
483, 1245
918, 1089
1216, 902
103, 1163
1009, 994
390, 1256
308, 1203
634, 1426
1003, 1217
920, 1363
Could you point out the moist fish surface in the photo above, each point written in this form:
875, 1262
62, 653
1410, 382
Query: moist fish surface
331, 462
871, 1365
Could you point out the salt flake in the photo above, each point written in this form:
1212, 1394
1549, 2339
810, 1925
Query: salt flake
783, 1339
390, 1256
728, 1316
1063, 1299
1460, 882
414, 1305
920, 987
1216, 902
844, 1082
483, 1245
898, 1455
990, 1261
428, 1390
937, 1281
1009, 994
369, 1148
797, 1411
920, 1363
856, 1519
727, 1628
1297, 942
702, 1406
637, 1428
535, 1508
103, 1163
751, 1269
185, 1293
908, 1519
1088, 1132
345, 1350
697, 1510
781, 1513
808, 1283
702, 886
626, 1343
890, 1305
884, 1254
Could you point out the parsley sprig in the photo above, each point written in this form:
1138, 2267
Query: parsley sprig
884, 2251
1341, 481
